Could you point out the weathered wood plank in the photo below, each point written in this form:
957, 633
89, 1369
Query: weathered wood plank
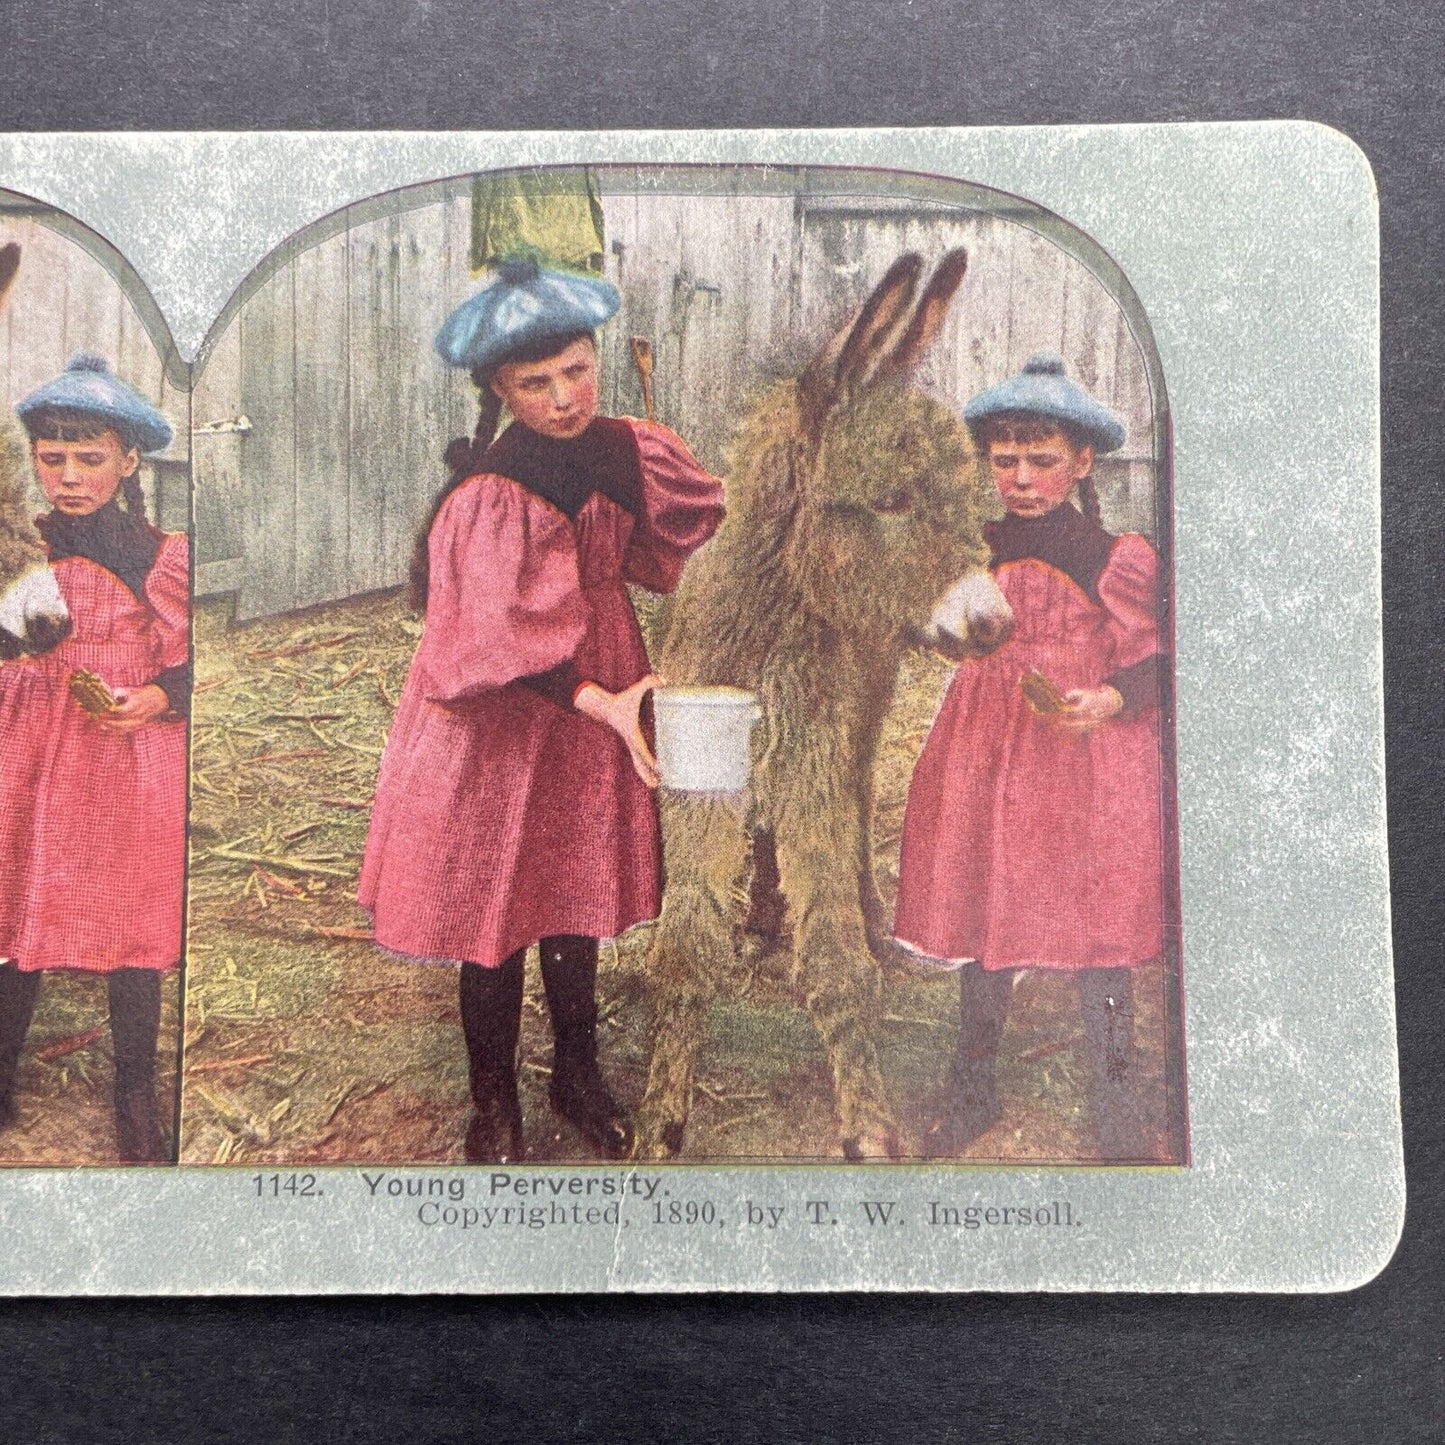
621, 390
93, 305
422, 390
219, 499
731, 300
372, 376
136, 359
461, 394
978, 328
173, 470
699, 277
321, 539
648, 276
38, 304
1038, 301
268, 451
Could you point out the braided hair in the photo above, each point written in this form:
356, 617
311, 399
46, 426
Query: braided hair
463, 455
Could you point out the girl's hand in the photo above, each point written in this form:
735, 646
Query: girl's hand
1087, 708
135, 707
622, 712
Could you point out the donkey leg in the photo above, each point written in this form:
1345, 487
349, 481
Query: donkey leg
888, 953
840, 985
705, 844
878, 926
766, 916
891, 956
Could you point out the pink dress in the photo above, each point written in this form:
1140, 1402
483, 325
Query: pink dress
1024, 847
502, 815
93, 823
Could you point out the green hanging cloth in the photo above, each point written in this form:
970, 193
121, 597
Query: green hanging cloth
554, 213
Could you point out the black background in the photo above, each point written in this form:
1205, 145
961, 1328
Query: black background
1364, 1366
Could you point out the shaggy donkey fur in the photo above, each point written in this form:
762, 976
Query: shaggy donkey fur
854, 501
33, 616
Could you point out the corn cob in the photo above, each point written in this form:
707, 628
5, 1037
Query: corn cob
1042, 695
91, 693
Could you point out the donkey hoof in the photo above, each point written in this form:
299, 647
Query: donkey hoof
898, 964
873, 1147
654, 1142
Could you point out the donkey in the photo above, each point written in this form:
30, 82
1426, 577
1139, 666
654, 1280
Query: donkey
33, 615
854, 530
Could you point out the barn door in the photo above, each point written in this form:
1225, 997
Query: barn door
321, 414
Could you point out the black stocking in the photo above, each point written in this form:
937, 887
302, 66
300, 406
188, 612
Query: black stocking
491, 1007
17, 1006
569, 976
135, 1020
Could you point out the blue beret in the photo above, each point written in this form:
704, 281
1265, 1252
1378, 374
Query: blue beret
87, 385
525, 306
1043, 389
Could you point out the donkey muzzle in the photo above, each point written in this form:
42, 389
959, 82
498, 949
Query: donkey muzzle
971, 619
33, 614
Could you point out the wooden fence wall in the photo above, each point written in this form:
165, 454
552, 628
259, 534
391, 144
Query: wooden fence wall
64, 300
330, 361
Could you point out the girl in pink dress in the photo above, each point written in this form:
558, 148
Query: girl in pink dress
1032, 837
515, 803
93, 807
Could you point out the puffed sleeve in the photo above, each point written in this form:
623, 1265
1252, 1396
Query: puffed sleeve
1129, 592
168, 596
505, 601
682, 506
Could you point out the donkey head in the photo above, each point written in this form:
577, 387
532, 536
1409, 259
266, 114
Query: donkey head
889, 497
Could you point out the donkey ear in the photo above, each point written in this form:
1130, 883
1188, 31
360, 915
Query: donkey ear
9, 265
927, 319
854, 351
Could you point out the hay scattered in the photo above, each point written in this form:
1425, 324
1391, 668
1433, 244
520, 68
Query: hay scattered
306, 1043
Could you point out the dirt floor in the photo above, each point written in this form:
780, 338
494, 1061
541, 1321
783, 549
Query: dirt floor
305, 1043
63, 1088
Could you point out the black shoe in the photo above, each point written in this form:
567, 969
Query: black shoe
494, 1135
579, 1094
137, 1126
959, 1124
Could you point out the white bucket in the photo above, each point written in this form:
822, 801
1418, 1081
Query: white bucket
704, 737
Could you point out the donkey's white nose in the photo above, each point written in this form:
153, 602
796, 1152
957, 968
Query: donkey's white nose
972, 617
34, 597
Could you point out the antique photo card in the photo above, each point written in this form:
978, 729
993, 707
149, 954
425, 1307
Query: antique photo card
310, 653
764, 711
